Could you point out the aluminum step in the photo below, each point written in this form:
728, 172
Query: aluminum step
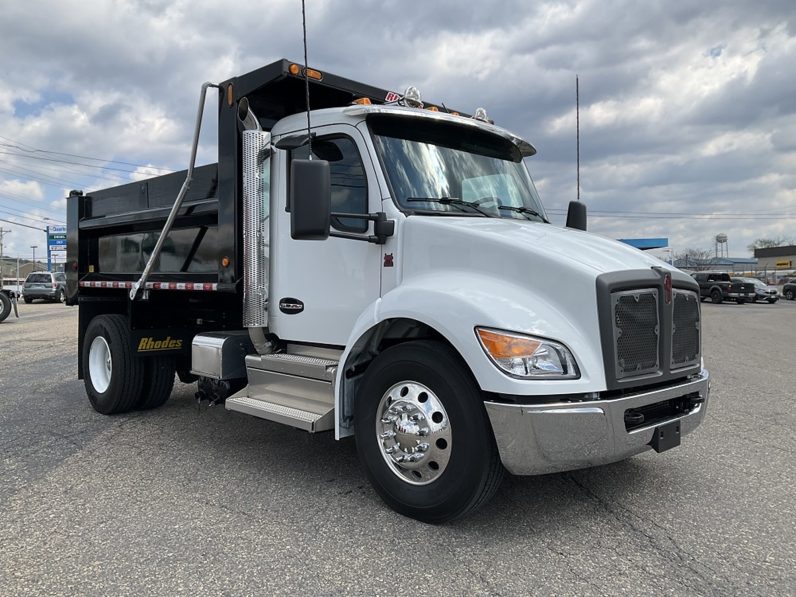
294, 364
294, 389
264, 408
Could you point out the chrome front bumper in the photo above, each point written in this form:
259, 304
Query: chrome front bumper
535, 439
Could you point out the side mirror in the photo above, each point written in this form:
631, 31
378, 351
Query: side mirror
576, 215
310, 200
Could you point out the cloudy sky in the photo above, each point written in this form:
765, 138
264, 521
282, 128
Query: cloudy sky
688, 109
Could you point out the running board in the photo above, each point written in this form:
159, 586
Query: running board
296, 390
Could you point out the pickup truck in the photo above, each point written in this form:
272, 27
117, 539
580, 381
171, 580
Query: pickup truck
719, 287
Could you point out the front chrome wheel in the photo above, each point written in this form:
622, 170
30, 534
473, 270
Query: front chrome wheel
414, 432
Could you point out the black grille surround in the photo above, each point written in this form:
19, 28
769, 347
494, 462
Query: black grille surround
646, 340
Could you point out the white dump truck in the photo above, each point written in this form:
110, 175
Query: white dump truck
383, 268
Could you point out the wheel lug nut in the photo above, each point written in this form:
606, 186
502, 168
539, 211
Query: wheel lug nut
422, 447
423, 432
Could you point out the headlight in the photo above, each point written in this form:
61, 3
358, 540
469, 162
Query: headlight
528, 356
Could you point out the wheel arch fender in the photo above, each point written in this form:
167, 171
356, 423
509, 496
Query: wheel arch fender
448, 307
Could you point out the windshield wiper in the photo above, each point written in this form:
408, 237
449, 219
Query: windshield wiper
449, 201
526, 211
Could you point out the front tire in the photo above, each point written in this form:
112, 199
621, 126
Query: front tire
789, 295
112, 374
423, 434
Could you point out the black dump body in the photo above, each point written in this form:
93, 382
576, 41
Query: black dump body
196, 284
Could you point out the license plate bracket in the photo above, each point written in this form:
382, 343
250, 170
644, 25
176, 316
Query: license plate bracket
666, 436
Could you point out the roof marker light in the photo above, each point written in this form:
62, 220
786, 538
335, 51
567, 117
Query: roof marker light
411, 97
314, 74
480, 114
362, 101
294, 69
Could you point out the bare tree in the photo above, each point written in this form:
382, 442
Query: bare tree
692, 258
767, 243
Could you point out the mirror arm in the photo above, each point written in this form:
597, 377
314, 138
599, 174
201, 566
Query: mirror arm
382, 227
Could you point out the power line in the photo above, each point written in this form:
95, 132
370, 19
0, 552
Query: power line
17, 144
56, 171
32, 219
34, 157
24, 225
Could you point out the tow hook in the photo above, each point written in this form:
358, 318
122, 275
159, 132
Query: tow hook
633, 418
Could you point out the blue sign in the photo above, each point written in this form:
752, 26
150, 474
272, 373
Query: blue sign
57, 242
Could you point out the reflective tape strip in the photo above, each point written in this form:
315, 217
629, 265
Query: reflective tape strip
202, 286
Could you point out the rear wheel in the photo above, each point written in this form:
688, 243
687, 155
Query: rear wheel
423, 434
158, 382
28, 300
789, 294
112, 374
715, 296
5, 306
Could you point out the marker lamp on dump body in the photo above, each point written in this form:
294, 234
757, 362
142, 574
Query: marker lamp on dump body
528, 357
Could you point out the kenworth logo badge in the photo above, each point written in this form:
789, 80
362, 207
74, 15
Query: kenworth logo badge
290, 306
149, 344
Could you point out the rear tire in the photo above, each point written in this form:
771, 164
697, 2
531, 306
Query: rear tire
715, 296
789, 295
112, 374
421, 393
5, 306
158, 382
28, 301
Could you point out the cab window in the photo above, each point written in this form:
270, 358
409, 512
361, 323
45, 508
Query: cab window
349, 182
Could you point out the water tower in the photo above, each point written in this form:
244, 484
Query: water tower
721, 246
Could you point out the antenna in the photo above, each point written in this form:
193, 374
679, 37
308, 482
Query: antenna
306, 77
577, 128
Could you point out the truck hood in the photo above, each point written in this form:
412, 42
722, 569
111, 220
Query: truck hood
569, 249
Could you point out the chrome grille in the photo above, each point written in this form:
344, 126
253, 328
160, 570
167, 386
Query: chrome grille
685, 329
636, 332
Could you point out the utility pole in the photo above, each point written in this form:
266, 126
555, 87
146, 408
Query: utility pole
34, 247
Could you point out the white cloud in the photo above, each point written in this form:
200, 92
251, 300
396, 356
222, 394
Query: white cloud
21, 189
684, 106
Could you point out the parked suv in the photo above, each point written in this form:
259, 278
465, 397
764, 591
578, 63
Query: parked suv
763, 292
718, 287
789, 290
44, 285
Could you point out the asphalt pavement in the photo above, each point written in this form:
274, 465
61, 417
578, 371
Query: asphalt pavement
201, 501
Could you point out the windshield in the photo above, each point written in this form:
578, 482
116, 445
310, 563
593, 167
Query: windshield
448, 169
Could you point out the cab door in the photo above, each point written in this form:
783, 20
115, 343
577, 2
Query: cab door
320, 288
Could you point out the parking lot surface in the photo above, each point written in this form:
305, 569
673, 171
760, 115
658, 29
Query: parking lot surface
203, 501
